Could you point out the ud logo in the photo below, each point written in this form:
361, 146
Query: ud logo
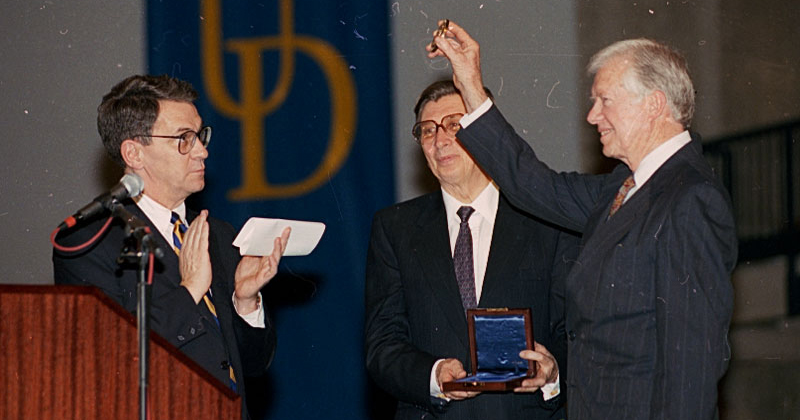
253, 107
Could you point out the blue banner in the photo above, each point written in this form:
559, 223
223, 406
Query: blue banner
298, 95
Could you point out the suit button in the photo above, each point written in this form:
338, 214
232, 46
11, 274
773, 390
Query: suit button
571, 335
224, 365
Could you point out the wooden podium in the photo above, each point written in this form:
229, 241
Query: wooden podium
70, 352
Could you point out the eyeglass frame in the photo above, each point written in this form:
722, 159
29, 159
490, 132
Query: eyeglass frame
181, 140
438, 125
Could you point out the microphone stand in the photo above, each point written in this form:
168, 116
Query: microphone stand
137, 250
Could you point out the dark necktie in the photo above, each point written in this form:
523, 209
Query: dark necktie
620, 197
178, 229
462, 260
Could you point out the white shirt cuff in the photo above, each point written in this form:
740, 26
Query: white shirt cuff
434, 383
468, 119
550, 391
255, 318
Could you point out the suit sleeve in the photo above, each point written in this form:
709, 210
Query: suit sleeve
393, 362
173, 313
565, 199
694, 303
256, 345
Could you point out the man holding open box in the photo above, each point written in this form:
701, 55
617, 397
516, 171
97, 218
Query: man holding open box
435, 256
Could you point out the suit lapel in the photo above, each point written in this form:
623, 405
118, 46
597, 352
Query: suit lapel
507, 248
639, 204
601, 234
436, 263
605, 232
217, 287
167, 266
218, 291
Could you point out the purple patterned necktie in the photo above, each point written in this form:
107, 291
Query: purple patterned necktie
462, 260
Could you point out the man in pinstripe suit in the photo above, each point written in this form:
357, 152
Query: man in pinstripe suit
649, 300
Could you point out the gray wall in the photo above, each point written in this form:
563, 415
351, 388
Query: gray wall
530, 60
743, 56
58, 59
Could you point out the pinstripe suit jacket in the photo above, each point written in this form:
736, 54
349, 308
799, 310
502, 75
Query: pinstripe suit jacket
649, 300
414, 314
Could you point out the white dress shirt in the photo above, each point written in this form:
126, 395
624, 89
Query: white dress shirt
481, 225
160, 216
656, 158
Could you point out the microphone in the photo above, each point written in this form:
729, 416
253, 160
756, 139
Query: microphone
129, 186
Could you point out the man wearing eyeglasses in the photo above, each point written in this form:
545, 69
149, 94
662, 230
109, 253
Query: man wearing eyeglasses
205, 297
417, 288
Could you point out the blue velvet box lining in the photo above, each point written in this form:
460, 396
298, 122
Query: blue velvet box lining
498, 341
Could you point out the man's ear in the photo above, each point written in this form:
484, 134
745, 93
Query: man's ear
131, 151
657, 104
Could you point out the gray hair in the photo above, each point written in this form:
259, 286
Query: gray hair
653, 66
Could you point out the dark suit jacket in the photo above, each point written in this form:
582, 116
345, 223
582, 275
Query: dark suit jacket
414, 314
173, 313
649, 300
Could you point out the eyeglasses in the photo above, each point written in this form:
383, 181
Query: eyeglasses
425, 131
186, 140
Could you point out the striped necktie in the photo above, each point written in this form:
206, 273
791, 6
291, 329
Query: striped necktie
178, 229
619, 199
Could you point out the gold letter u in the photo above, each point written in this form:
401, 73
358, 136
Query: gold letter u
252, 109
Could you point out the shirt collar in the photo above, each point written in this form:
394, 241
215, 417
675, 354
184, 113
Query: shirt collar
485, 204
157, 213
656, 158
